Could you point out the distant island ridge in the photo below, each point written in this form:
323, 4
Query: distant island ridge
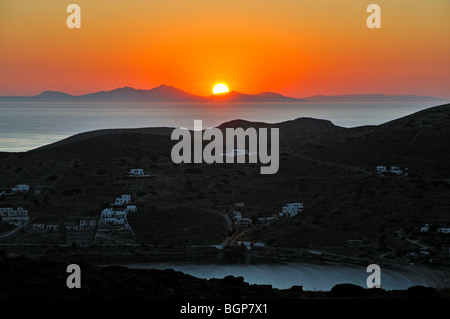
166, 93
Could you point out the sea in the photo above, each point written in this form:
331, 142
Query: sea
28, 125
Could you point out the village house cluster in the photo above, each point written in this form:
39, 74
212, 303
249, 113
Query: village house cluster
80, 223
49, 227
288, 211
291, 209
249, 244
16, 217
21, 188
72, 224
113, 224
136, 172
117, 215
83, 230
427, 228
381, 170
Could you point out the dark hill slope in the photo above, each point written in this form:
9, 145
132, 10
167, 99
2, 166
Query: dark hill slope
418, 142
328, 168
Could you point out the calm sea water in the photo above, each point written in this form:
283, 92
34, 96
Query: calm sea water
27, 125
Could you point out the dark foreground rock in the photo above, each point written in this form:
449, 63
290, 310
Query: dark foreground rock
25, 278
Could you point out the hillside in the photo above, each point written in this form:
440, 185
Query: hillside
328, 168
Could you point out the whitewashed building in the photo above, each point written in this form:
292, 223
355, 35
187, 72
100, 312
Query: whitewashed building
52, 227
291, 209
136, 172
106, 213
249, 245
21, 188
38, 226
10, 212
15, 217
243, 222
123, 200
444, 230
71, 225
82, 223
87, 222
264, 220
113, 216
395, 170
114, 221
382, 169
237, 215
22, 212
131, 208
120, 214
5, 211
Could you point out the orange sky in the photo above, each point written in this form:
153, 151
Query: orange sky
297, 48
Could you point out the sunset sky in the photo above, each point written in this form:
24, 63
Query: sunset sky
294, 47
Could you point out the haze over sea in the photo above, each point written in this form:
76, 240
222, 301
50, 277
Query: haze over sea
28, 125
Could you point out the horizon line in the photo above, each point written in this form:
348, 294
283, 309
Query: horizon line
227, 93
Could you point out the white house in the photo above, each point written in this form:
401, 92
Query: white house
52, 227
120, 221
237, 215
87, 222
71, 225
243, 222
381, 169
5, 211
395, 170
108, 220
239, 205
22, 212
92, 223
38, 226
444, 230
114, 221
298, 206
136, 172
249, 244
291, 209
119, 202
120, 214
131, 208
123, 200
106, 213
15, 217
12, 213
266, 219
81, 223
84, 224
22, 188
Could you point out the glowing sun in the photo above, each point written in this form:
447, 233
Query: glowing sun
220, 88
